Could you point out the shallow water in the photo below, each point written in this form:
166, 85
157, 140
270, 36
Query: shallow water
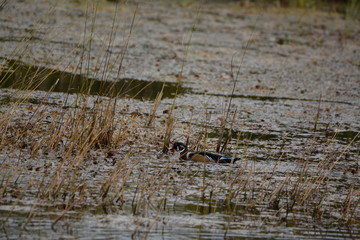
185, 214
294, 116
16, 75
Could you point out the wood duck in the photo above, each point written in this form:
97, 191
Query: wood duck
185, 154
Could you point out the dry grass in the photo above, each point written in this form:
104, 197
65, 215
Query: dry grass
93, 155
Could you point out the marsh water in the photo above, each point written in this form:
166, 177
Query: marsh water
44, 79
292, 114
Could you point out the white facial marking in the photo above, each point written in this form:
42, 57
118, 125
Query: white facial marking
208, 157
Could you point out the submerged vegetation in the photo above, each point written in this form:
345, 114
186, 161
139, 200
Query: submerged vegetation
84, 147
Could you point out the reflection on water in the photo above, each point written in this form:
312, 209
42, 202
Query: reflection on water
345, 136
272, 98
21, 76
183, 224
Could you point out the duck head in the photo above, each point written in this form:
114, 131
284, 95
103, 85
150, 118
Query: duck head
181, 147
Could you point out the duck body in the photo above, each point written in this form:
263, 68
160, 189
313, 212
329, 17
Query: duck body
185, 154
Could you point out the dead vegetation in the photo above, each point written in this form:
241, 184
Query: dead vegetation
84, 152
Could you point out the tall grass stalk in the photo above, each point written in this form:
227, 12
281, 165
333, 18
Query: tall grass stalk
170, 120
235, 74
317, 114
152, 114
